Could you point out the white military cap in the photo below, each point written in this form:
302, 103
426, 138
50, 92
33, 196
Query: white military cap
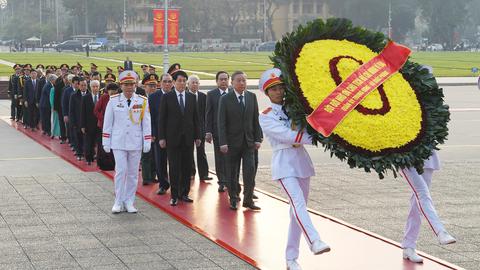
269, 78
128, 76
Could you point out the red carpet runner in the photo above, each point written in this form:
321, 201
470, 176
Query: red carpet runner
259, 237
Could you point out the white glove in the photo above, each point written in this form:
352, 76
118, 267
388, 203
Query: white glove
146, 147
106, 148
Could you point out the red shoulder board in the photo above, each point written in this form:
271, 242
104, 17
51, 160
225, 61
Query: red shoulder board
267, 110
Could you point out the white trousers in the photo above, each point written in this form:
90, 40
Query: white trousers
420, 205
297, 191
126, 175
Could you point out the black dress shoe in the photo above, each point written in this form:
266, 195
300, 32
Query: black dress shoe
206, 178
233, 204
173, 202
161, 191
254, 197
146, 183
155, 181
221, 188
251, 206
186, 199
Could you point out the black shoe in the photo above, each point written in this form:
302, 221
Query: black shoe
146, 183
186, 199
173, 202
62, 142
221, 188
155, 181
254, 197
207, 178
233, 204
89, 163
251, 206
161, 191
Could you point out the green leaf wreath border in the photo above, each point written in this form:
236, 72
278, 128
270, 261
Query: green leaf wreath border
435, 112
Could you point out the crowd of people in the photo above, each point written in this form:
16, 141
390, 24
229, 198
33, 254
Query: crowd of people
162, 120
71, 104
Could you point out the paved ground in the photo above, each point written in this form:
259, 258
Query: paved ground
51, 215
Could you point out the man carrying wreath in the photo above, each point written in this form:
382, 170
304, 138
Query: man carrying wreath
291, 166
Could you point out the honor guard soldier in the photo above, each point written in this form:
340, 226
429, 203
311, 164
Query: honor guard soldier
126, 130
291, 166
93, 67
13, 90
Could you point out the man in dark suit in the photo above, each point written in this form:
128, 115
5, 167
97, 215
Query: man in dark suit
74, 116
13, 90
57, 104
178, 131
88, 120
30, 89
41, 80
211, 127
67, 93
160, 154
239, 136
202, 163
45, 108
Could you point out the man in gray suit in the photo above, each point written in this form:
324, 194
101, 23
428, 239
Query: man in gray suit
239, 135
211, 127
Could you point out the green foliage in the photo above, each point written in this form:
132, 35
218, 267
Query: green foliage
436, 114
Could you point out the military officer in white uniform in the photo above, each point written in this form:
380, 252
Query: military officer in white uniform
421, 204
291, 167
126, 130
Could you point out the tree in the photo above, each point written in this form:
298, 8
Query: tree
444, 19
272, 7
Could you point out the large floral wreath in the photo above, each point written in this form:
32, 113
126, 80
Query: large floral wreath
396, 126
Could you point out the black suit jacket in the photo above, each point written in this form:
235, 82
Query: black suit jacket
57, 98
88, 120
211, 111
173, 125
201, 107
236, 125
41, 81
154, 101
29, 91
140, 91
74, 109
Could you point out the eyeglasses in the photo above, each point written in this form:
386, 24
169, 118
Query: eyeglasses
165, 81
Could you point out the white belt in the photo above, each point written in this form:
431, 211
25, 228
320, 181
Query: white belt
284, 146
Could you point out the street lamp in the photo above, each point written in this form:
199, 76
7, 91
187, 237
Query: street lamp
165, 38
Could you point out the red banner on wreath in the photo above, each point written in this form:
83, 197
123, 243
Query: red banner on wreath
159, 26
356, 87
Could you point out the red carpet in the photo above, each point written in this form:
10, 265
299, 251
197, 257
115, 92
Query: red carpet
259, 237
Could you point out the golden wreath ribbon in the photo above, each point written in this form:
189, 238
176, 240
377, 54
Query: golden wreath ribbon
130, 114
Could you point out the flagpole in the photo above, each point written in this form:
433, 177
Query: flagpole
165, 38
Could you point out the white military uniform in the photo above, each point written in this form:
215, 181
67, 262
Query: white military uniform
292, 167
421, 202
126, 130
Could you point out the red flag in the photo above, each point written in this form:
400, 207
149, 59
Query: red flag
159, 26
